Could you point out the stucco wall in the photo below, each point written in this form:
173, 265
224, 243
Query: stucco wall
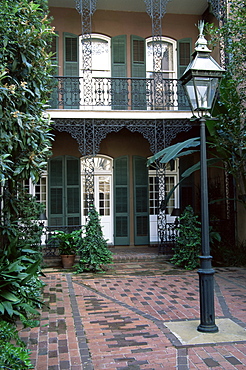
113, 23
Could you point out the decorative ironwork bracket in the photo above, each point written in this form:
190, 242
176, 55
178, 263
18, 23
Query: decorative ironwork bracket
90, 132
218, 8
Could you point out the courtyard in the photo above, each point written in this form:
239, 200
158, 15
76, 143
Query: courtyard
142, 313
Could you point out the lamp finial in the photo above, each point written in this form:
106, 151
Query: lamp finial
200, 26
201, 44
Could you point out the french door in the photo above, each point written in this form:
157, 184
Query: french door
123, 181
103, 197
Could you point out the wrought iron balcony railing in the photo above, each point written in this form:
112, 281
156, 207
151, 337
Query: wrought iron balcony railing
108, 93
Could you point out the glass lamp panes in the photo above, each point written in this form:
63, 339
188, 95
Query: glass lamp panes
201, 92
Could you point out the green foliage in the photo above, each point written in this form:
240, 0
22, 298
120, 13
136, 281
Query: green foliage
25, 86
94, 252
228, 131
68, 243
188, 244
24, 232
175, 151
20, 288
13, 354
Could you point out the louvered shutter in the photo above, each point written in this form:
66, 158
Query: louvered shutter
64, 191
56, 192
73, 191
138, 71
141, 208
71, 69
121, 196
53, 102
119, 73
184, 57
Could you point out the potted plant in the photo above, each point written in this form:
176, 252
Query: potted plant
68, 244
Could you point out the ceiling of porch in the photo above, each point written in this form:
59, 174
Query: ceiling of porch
173, 6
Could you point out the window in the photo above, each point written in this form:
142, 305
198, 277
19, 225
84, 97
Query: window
102, 169
39, 190
164, 54
171, 179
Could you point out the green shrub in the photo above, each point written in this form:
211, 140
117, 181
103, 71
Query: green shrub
188, 244
20, 289
94, 252
13, 354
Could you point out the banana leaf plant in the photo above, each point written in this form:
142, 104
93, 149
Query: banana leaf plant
176, 151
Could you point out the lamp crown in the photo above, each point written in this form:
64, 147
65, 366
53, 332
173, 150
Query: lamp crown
201, 43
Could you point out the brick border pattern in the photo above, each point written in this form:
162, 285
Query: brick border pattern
80, 334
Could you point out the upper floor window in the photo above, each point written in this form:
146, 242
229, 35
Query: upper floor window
161, 57
100, 58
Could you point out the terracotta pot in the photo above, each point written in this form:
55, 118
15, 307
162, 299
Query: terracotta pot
67, 260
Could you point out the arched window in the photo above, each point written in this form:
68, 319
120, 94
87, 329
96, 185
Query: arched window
101, 55
165, 58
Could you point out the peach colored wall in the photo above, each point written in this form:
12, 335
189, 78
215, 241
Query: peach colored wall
113, 23
64, 144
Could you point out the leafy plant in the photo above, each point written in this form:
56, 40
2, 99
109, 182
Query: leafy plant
68, 243
19, 289
228, 131
94, 253
13, 354
188, 244
25, 86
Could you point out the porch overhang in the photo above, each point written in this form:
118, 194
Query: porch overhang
98, 114
173, 6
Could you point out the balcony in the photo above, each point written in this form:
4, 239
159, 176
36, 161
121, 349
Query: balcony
108, 93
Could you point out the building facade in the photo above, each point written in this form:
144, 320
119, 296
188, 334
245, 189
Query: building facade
117, 101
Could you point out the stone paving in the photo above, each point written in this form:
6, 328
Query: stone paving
116, 320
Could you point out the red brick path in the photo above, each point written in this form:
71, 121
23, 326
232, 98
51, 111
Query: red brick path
117, 321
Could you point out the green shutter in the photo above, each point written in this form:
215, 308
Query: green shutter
184, 57
53, 102
73, 191
121, 196
138, 70
71, 69
141, 207
56, 192
119, 56
64, 191
118, 70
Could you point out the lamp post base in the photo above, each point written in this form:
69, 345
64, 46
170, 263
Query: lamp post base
208, 328
206, 288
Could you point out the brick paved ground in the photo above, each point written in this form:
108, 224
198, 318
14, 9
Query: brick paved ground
116, 321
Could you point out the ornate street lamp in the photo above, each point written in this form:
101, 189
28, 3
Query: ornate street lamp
201, 80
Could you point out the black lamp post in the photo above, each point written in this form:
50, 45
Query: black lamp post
201, 81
